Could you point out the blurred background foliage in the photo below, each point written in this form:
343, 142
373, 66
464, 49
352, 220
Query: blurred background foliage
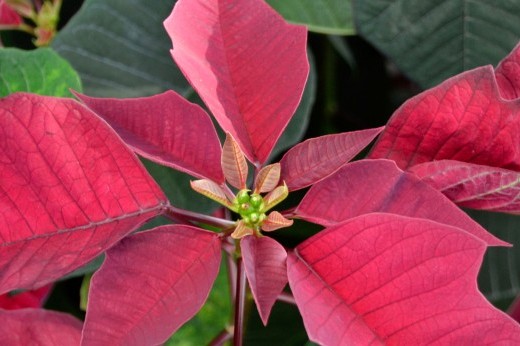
367, 57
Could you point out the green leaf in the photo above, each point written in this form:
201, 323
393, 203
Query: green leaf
210, 320
433, 40
323, 16
499, 277
120, 48
298, 125
39, 71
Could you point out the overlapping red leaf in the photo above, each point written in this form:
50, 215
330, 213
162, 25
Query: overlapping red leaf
150, 284
462, 119
69, 189
369, 186
38, 327
381, 279
27, 299
473, 118
247, 64
473, 186
317, 158
266, 270
166, 129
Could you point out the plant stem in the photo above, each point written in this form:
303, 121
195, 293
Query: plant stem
232, 275
286, 298
183, 215
240, 298
221, 338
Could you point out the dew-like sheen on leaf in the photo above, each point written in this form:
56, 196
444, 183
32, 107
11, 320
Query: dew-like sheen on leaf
69, 189
247, 64
381, 279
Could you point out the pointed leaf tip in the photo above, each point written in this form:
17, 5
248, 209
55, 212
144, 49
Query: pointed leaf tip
468, 118
368, 186
317, 158
276, 196
211, 190
247, 64
234, 163
266, 270
267, 179
166, 129
275, 221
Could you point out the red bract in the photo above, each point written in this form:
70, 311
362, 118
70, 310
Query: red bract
9, 18
27, 299
473, 118
381, 279
38, 327
70, 189
176, 267
397, 263
247, 65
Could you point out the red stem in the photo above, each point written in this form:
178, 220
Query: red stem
221, 338
190, 216
240, 299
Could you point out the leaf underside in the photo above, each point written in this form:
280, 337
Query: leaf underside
473, 186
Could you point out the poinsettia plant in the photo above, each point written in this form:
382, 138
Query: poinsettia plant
396, 261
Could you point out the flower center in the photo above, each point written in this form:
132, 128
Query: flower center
250, 207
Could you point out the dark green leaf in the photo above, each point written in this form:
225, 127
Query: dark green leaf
433, 40
120, 48
323, 16
39, 71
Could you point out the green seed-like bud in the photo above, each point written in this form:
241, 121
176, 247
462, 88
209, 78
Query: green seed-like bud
256, 201
254, 217
243, 197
